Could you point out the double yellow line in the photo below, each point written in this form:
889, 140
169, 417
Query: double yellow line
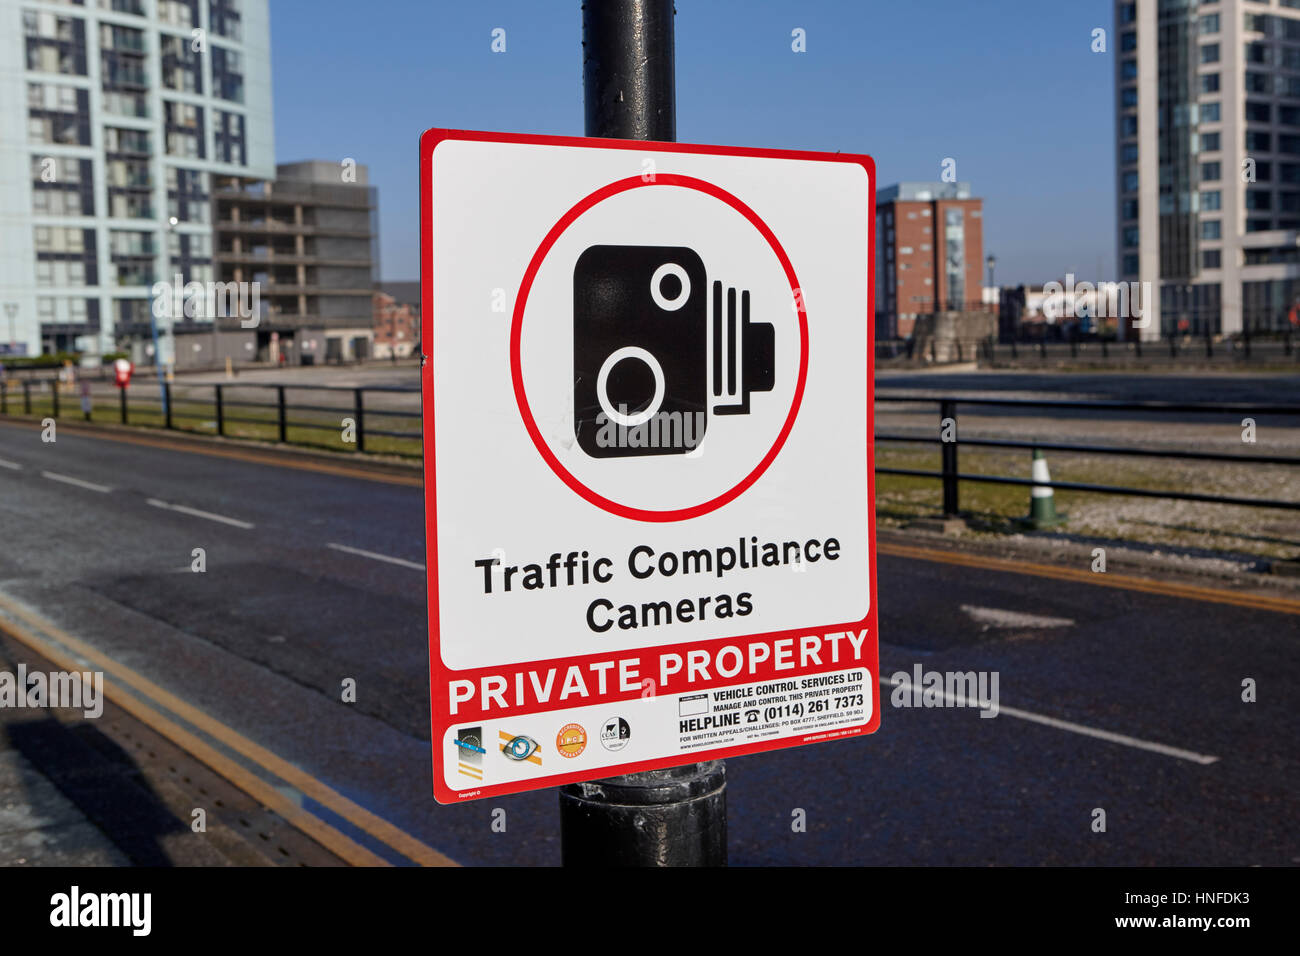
118, 677
1192, 592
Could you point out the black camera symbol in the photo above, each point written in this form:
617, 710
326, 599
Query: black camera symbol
654, 347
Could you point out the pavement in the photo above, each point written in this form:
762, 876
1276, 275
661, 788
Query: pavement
1122, 695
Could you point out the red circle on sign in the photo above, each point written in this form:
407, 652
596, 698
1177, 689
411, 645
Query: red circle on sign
516, 334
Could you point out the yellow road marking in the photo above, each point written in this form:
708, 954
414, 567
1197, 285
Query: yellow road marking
363, 819
243, 454
1110, 580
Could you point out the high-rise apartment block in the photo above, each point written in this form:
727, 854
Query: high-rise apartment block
115, 118
1208, 161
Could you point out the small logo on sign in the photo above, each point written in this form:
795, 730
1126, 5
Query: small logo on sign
615, 734
469, 752
571, 740
519, 747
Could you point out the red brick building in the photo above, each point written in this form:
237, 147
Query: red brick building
929, 253
397, 327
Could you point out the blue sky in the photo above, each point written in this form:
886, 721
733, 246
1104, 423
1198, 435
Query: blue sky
1009, 88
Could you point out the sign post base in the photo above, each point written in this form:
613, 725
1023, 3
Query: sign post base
673, 817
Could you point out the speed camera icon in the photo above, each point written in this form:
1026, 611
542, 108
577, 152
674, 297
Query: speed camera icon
656, 347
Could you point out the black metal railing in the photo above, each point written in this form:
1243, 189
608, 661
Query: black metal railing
344, 414
951, 476
219, 406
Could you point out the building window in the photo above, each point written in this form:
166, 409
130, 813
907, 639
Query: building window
1259, 225
224, 17
1263, 172
1128, 41
1288, 143
1210, 229
55, 44
1128, 153
1129, 70
1209, 82
1256, 83
1256, 22
1210, 53
1258, 112
1288, 115
188, 199
1209, 23
1129, 209
1131, 235
1130, 265
183, 125
181, 13
1210, 172
1259, 199
1209, 112
1255, 141
1211, 259
954, 235
1288, 172
182, 66
1128, 125
1129, 96
1257, 53
1130, 182
1128, 12
58, 114
229, 139
1209, 142
227, 74
1211, 200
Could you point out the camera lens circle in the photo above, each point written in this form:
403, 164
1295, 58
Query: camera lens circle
656, 293
602, 386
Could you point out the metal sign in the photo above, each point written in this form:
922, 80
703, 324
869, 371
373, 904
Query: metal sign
647, 452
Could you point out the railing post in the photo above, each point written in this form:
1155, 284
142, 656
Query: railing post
1105, 349
948, 453
1042, 347
1173, 347
122, 402
27, 396
284, 425
4, 397
1137, 346
1209, 343
1286, 342
359, 412
1245, 337
167, 403
54, 395
220, 409
1015, 354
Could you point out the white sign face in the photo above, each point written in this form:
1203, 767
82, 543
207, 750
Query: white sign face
647, 454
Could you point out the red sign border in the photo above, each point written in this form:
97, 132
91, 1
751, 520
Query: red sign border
439, 673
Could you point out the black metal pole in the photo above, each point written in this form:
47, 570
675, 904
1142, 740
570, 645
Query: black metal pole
628, 72
948, 459
678, 816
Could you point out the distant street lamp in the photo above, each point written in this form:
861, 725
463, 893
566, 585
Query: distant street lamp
990, 262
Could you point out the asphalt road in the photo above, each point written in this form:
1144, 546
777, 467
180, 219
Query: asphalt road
91, 537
